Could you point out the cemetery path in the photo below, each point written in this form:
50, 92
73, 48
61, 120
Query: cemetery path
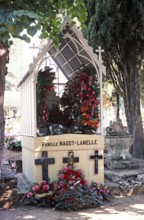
130, 208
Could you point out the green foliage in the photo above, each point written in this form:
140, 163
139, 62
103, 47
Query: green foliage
118, 27
43, 15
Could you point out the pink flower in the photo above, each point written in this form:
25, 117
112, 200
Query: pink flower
45, 188
69, 168
79, 171
64, 169
61, 176
70, 182
43, 117
73, 177
43, 183
90, 78
29, 194
61, 183
35, 188
93, 99
84, 87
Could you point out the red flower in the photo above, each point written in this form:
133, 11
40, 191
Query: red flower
89, 123
96, 102
48, 197
43, 183
66, 177
73, 199
87, 116
82, 181
69, 171
83, 121
65, 186
82, 95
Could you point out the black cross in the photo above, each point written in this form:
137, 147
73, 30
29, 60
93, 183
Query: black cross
96, 157
70, 160
45, 161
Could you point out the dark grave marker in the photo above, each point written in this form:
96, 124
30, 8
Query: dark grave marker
45, 161
96, 157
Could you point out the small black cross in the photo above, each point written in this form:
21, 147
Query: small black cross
96, 157
70, 160
45, 161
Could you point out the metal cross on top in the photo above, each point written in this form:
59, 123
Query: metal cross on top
70, 160
45, 161
96, 157
34, 47
99, 51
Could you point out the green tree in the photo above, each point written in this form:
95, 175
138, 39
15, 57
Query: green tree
22, 19
118, 26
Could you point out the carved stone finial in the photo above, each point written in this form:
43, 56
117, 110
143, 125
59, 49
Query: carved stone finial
117, 129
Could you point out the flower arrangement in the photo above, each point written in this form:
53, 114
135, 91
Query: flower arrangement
81, 99
39, 194
70, 192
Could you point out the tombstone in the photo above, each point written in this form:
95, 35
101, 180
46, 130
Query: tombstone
83, 151
80, 151
118, 142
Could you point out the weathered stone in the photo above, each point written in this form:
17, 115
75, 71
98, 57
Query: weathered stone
114, 189
116, 176
118, 142
121, 164
138, 190
127, 183
140, 178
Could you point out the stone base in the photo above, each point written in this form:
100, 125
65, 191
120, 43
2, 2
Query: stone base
124, 183
121, 164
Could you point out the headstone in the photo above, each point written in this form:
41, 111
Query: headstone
118, 142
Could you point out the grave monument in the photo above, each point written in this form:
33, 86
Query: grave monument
67, 130
118, 142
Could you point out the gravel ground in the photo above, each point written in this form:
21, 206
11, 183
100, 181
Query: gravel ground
129, 208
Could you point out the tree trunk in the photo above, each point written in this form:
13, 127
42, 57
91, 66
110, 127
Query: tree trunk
132, 110
3, 71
